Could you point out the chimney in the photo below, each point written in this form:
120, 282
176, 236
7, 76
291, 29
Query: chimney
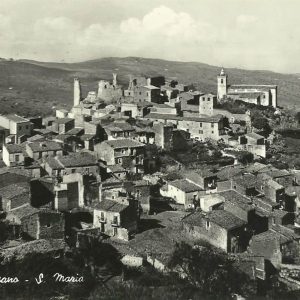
148, 81
77, 92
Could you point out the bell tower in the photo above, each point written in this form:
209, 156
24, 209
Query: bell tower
222, 85
77, 92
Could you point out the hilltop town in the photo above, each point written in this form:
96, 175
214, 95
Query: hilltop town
144, 167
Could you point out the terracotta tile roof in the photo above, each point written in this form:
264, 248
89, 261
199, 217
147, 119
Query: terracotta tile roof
14, 148
110, 205
228, 172
54, 163
75, 131
63, 120
185, 185
208, 119
45, 146
124, 143
15, 189
254, 135
24, 211
238, 200
77, 159
220, 217
16, 118
246, 180
115, 168
264, 87
277, 232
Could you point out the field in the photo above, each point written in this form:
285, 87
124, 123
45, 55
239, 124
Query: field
31, 88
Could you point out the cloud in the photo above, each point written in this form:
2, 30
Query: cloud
244, 20
165, 22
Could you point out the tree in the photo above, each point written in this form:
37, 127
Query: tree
210, 270
245, 157
261, 123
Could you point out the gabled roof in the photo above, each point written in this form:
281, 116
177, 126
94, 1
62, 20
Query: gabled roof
124, 143
14, 148
228, 172
208, 119
254, 135
264, 87
63, 120
238, 200
279, 233
185, 185
24, 211
222, 218
77, 159
246, 180
16, 118
110, 205
116, 169
45, 146
15, 189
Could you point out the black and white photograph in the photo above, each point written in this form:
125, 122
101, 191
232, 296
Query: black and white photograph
149, 149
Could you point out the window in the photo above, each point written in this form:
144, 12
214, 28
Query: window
212, 125
201, 131
115, 231
119, 160
73, 170
212, 132
102, 216
222, 81
140, 93
207, 225
200, 124
48, 225
87, 170
208, 99
17, 157
20, 127
115, 220
40, 154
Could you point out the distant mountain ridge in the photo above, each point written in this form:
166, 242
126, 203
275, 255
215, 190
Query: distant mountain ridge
32, 87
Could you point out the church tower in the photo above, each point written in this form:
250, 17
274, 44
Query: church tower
222, 84
114, 79
77, 92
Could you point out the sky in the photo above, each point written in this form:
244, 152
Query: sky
250, 34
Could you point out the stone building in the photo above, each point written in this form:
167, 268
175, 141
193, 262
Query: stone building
125, 152
265, 95
38, 150
199, 127
183, 192
19, 128
14, 195
116, 217
38, 223
218, 227
78, 162
14, 154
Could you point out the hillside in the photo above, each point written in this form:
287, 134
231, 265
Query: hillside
30, 87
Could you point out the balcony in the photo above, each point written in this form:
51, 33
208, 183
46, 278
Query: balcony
115, 224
